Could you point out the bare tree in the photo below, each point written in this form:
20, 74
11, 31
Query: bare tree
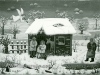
3, 64
64, 14
97, 40
82, 25
5, 41
15, 30
96, 17
14, 58
75, 44
3, 22
71, 18
52, 63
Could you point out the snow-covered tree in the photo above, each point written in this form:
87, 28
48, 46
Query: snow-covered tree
82, 25
15, 30
57, 11
76, 9
5, 41
81, 11
3, 22
6, 63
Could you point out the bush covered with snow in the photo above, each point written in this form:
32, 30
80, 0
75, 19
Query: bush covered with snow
77, 13
57, 11
65, 5
80, 11
35, 4
76, 9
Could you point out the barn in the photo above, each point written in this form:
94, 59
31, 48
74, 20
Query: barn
58, 31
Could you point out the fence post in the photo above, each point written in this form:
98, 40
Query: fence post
21, 46
25, 46
17, 46
12, 44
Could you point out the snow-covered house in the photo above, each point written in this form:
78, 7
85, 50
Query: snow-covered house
60, 31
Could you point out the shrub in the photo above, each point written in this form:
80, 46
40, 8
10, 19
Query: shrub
65, 5
77, 13
76, 9
81, 11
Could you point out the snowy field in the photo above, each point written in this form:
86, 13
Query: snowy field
41, 66
77, 57
56, 61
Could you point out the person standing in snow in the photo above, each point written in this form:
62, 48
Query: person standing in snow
41, 50
91, 46
33, 45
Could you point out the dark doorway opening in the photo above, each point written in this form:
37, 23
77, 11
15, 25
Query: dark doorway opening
40, 37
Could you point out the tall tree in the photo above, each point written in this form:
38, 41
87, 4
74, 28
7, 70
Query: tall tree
3, 22
82, 25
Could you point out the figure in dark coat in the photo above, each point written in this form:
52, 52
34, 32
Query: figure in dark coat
91, 46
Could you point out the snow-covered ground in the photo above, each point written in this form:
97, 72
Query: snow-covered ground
42, 65
77, 57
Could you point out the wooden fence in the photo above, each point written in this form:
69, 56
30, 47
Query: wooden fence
18, 47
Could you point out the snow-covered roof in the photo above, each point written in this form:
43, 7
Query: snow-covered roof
51, 26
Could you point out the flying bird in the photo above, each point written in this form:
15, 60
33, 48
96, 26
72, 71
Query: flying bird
20, 16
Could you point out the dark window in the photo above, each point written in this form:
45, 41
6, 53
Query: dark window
61, 40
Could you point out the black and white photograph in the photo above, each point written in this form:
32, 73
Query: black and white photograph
49, 37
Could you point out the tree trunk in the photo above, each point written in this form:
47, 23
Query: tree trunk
6, 49
3, 30
81, 31
14, 36
96, 23
98, 45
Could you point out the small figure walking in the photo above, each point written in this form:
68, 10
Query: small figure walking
91, 46
33, 45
